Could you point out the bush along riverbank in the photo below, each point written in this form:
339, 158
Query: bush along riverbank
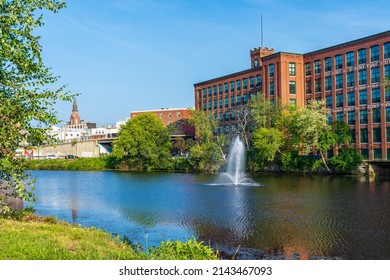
31, 237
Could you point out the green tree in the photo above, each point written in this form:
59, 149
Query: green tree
26, 94
266, 142
307, 129
143, 143
208, 153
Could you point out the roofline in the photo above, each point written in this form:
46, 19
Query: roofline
159, 110
229, 75
350, 42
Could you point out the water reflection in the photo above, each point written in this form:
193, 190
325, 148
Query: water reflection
286, 217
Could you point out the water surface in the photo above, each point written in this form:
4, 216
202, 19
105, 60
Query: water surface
279, 217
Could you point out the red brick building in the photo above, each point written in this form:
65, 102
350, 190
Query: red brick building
176, 117
349, 76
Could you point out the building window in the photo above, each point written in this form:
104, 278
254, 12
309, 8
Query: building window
353, 135
363, 117
328, 64
375, 78
220, 87
220, 103
339, 81
215, 104
340, 117
386, 50
387, 114
362, 56
226, 117
317, 67
351, 117
231, 101
292, 87
338, 61
363, 135
387, 94
292, 68
251, 82
364, 153
376, 135
376, 115
363, 97
328, 83
339, 100
232, 117
258, 81
363, 77
308, 87
226, 102
256, 63
232, 86
209, 107
245, 98
204, 93
271, 70
350, 79
376, 95
350, 58
308, 69
226, 88
377, 153
245, 81
271, 88
317, 85
204, 106
374, 51
238, 100
293, 102
387, 71
351, 98
329, 101
209, 91
388, 137
330, 118
238, 84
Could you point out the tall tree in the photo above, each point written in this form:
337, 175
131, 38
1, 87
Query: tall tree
143, 143
26, 94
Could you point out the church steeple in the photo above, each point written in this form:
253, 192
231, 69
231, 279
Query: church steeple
75, 115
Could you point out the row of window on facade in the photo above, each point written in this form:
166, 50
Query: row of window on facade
363, 116
363, 98
232, 86
349, 59
350, 79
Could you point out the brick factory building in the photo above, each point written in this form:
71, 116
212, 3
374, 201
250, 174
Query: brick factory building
176, 117
349, 76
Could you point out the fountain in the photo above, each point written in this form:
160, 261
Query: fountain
235, 172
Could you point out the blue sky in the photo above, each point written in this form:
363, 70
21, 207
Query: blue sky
127, 55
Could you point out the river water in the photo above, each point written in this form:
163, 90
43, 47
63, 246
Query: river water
282, 217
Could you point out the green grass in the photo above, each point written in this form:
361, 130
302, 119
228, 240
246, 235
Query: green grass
44, 238
101, 163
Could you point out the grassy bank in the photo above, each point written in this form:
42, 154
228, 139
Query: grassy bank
101, 163
44, 238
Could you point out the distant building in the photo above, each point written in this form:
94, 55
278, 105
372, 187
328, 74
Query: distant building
176, 117
349, 77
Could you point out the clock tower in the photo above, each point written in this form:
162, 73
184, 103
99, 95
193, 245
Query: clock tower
75, 115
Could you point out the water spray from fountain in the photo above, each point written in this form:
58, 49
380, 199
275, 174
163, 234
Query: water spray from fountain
235, 172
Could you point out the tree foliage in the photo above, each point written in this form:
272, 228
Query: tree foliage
143, 143
26, 94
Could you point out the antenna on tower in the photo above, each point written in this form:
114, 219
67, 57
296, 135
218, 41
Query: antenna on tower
262, 30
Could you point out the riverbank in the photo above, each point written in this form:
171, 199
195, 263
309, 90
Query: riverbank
31, 237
